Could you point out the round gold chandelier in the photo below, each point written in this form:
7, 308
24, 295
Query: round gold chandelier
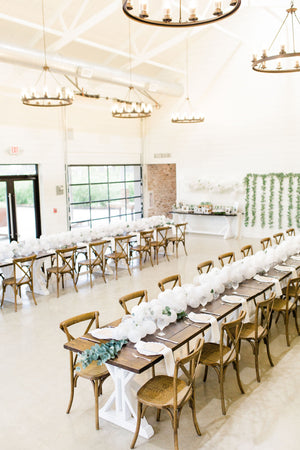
131, 108
180, 13
39, 94
285, 61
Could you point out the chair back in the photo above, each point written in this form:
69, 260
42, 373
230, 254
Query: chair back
146, 238
122, 245
97, 251
226, 258
161, 235
180, 231
23, 269
263, 314
231, 331
247, 250
278, 237
291, 232
67, 258
140, 295
205, 267
192, 360
266, 242
175, 279
292, 291
90, 317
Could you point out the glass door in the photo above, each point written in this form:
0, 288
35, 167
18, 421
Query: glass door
19, 208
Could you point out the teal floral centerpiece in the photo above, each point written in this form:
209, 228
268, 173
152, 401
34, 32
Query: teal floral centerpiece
101, 353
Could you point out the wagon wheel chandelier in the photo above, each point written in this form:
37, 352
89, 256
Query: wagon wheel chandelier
186, 114
286, 61
133, 107
179, 13
39, 95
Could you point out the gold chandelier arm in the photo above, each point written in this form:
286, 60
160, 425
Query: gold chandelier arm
44, 32
276, 36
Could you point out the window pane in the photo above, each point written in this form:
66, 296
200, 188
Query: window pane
79, 194
80, 225
99, 192
116, 173
100, 223
18, 169
78, 175
99, 210
98, 174
133, 173
133, 189
117, 207
134, 205
80, 212
116, 190
116, 219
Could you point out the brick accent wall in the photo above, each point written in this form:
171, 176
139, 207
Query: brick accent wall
161, 188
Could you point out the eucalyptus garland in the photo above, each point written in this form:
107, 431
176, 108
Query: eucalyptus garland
271, 202
280, 177
290, 207
253, 209
267, 210
263, 201
101, 353
247, 189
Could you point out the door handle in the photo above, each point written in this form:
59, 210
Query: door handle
10, 216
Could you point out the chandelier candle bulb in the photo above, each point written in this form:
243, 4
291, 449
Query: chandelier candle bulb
264, 54
297, 65
167, 15
218, 11
144, 9
254, 58
129, 5
282, 50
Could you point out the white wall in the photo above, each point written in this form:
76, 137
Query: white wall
94, 137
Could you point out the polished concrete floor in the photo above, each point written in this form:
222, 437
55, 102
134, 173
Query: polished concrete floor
34, 380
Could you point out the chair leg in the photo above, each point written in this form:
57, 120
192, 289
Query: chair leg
192, 405
57, 286
33, 296
296, 320
175, 429
221, 380
166, 253
15, 294
277, 317
116, 268
71, 395
91, 275
138, 424
3, 292
184, 247
205, 374
237, 370
256, 349
156, 251
287, 329
151, 257
127, 262
266, 341
96, 393
48, 278
158, 411
74, 281
140, 260
176, 249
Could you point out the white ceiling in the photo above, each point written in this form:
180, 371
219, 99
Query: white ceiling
96, 32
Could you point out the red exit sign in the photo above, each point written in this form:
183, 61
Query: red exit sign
14, 150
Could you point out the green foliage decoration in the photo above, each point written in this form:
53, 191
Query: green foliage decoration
101, 353
263, 201
298, 202
290, 191
253, 209
280, 177
247, 189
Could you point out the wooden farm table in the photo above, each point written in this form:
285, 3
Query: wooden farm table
120, 408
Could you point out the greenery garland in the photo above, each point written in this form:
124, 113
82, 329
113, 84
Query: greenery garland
247, 188
101, 353
263, 201
280, 177
253, 209
251, 198
290, 207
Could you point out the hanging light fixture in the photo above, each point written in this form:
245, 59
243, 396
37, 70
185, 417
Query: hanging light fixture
186, 114
179, 13
39, 95
285, 61
133, 107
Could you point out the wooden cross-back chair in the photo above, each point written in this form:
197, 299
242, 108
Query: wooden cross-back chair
140, 295
226, 258
291, 232
180, 230
266, 242
278, 237
287, 305
205, 267
175, 279
171, 393
65, 264
220, 356
94, 373
121, 252
144, 248
96, 259
255, 332
23, 274
161, 241
247, 250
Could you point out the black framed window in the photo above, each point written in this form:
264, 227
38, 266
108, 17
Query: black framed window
104, 194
